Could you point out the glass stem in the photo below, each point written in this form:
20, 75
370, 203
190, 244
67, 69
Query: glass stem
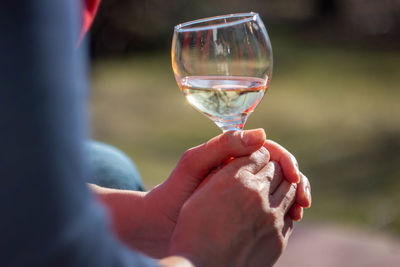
231, 125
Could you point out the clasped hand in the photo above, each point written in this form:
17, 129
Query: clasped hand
229, 202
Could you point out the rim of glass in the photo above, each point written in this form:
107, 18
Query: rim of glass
247, 17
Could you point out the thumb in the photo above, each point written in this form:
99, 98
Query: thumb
197, 162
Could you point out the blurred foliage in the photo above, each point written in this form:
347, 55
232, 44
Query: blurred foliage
333, 100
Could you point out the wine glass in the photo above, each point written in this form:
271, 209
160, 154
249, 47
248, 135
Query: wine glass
223, 66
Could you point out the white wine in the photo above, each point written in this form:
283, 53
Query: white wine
224, 98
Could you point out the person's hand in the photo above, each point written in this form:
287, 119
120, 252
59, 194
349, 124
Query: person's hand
199, 162
196, 163
240, 217
291, 172
146, 221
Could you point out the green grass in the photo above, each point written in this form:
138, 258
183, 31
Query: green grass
335, 107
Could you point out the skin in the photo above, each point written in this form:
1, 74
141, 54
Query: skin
247, 223
154, 221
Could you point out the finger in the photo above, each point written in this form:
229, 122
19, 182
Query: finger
253, 163
303, 196
296, 212
288, 162
284, 196
197, 162
273, 174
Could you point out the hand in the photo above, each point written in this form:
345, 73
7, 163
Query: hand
146, 221
239, 218
291, 172
165, 201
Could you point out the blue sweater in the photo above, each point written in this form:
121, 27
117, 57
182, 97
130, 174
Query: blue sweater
47, 215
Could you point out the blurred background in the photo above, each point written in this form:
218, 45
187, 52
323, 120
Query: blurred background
333, 99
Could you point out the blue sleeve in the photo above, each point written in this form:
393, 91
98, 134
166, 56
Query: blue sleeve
47, 215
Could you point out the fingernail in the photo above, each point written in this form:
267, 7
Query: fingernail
294, 161
253, 137
301, 214
298, 175
296, 165
308, 194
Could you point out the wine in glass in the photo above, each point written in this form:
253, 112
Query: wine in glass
223, 66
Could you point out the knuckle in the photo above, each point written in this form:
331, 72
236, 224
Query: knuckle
269, 174
250, 182
265, 153
286, 202
225, 138
267, 177
244, 175
249, 186
241, 175
292, 190
289, 197
260, 156
188, 156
